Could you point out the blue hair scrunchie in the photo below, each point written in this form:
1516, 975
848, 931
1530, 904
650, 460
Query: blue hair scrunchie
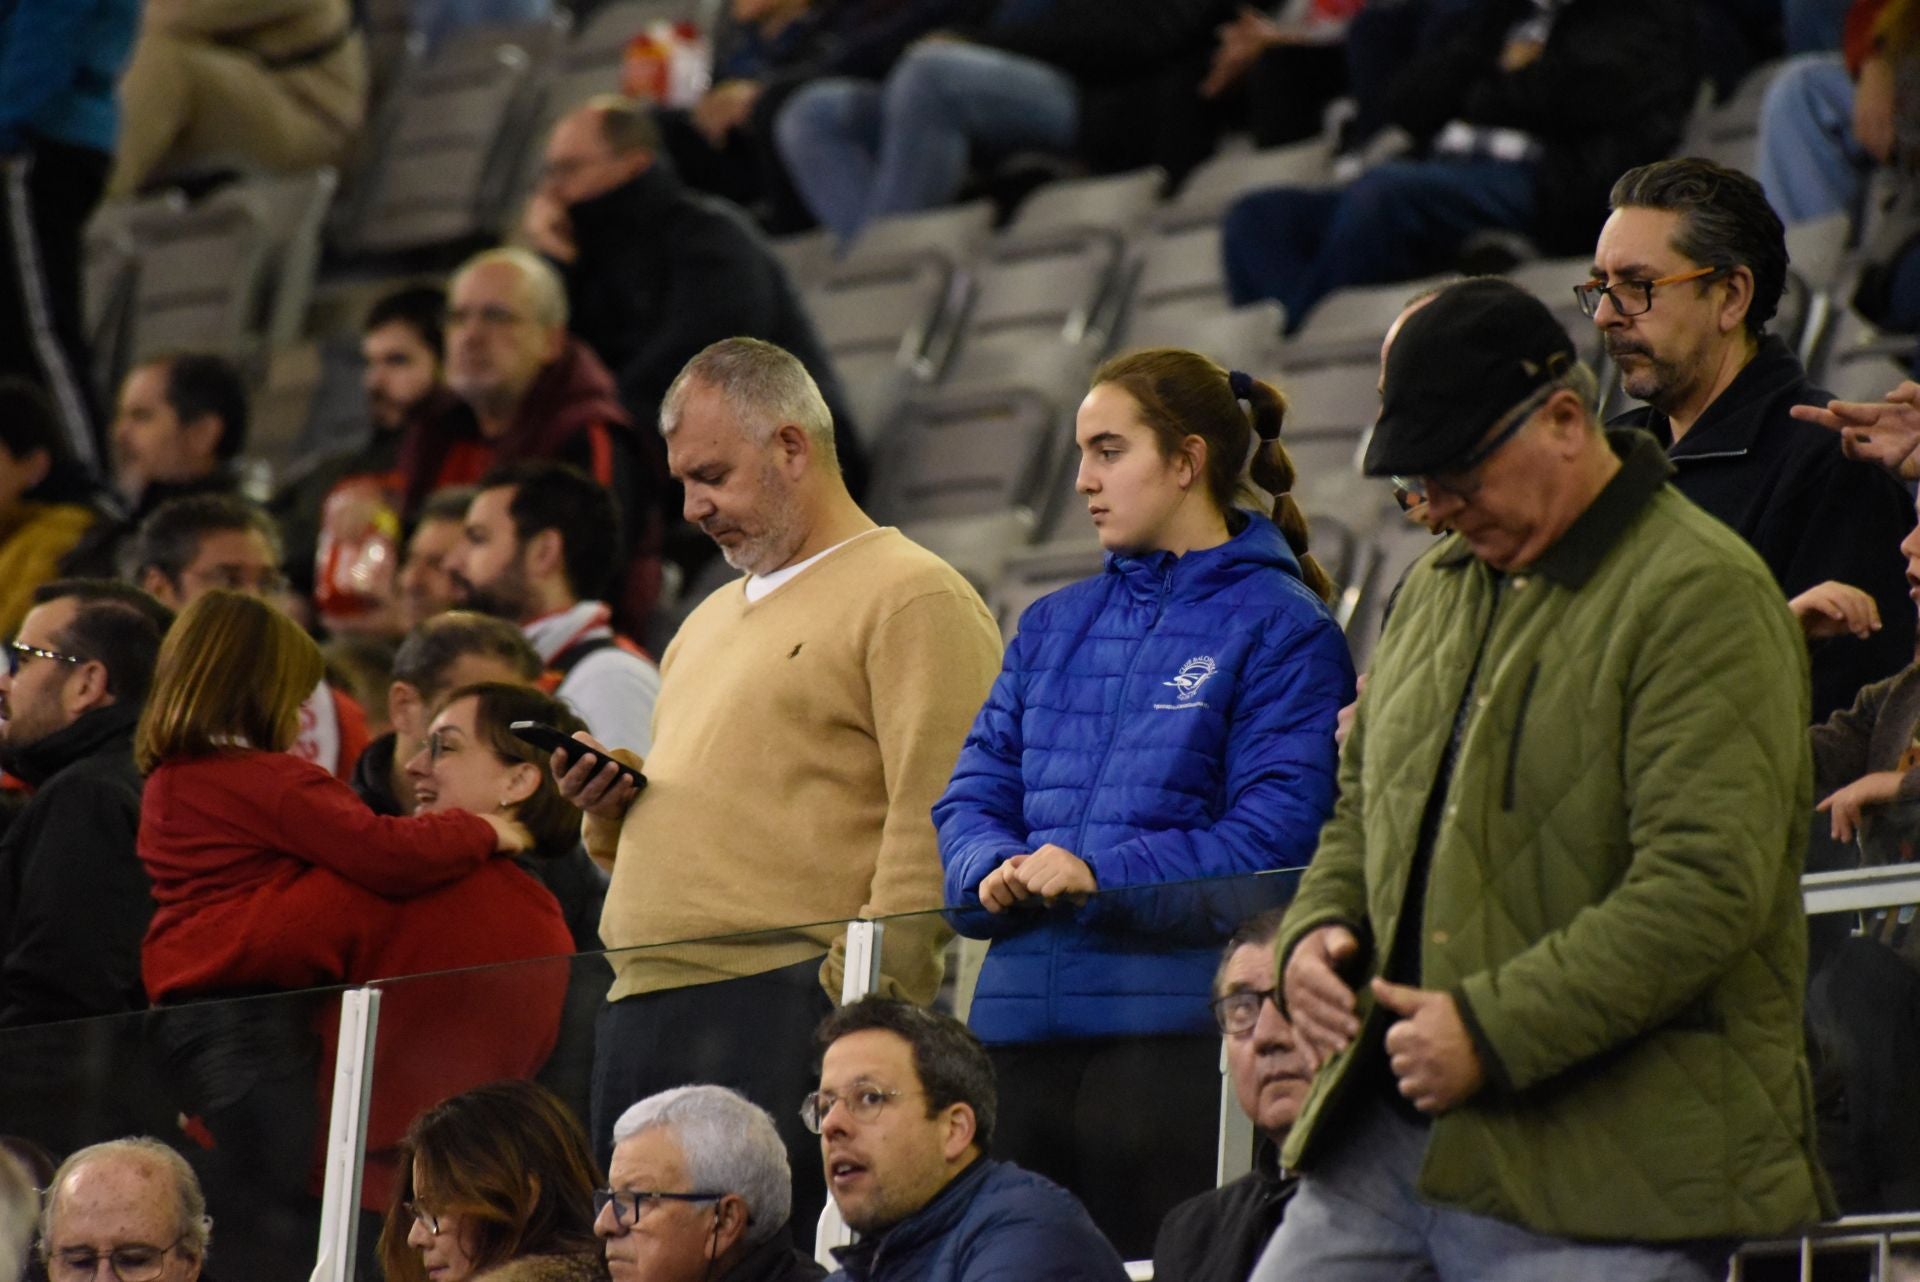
1242, 384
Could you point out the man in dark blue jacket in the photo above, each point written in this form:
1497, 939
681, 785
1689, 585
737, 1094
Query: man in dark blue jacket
59, 62
905, 1115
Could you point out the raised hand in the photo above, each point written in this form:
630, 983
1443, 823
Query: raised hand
1886, 433
1834, 609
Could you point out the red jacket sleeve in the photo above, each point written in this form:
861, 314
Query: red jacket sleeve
1857, 40
319, 819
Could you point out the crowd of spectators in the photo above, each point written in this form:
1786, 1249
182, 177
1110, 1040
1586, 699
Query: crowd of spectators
258, 751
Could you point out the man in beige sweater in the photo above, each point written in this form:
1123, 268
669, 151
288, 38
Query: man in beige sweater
808, 717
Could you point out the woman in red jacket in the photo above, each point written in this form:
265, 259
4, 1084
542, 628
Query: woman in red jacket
265, 867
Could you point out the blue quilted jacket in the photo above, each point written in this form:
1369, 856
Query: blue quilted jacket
1169, 719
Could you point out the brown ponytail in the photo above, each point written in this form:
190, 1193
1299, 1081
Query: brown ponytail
1272, 470
1182, 394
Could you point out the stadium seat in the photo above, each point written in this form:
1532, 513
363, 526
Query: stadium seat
1058, 287
876, 323
1245, 338
1180, 265
963, 453
439, 169
807, 256
200, 270
1117, 204
295, 207
1349, 324
952, 234
1392, 552
1030, 575
1552, 281
1215, 185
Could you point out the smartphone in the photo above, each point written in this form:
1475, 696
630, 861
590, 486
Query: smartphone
542, 736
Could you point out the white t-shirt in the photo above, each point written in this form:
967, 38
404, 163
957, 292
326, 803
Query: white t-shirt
759, 585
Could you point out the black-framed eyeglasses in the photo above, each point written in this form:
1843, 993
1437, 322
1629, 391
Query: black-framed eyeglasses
1239, 1011
18, 652
423, 1217
134, 1262
630, 1204
1633, 297
1461, 479
864, 1103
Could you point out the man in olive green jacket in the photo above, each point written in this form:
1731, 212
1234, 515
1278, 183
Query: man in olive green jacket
1563, 872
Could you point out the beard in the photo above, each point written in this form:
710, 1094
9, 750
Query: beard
1653, 380
508, 597
780, 533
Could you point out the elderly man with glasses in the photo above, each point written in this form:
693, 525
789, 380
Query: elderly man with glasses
699, 1191
1689, 269
1549, 955
1218, 1236
128, 1209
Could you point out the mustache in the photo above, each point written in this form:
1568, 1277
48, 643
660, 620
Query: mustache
1617, 347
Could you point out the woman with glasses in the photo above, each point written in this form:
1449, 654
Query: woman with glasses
1169, 720
269, 875
496, 1184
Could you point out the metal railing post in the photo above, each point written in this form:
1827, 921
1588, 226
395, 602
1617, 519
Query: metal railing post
347, 1135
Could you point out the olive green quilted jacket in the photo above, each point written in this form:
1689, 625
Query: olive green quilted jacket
1614, 889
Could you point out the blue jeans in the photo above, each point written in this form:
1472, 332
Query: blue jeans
858, 150
1397, 221
1357, 1218
1809, 163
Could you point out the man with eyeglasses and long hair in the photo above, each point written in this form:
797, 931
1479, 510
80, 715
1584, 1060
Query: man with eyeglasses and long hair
1689, 269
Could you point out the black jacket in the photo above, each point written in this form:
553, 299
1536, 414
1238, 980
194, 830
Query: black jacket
1218, 1235
74, 901
662, 272
1611, 89
1810, 512
775, 1260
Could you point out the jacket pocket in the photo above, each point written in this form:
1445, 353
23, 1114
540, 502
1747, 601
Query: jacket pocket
1513, 743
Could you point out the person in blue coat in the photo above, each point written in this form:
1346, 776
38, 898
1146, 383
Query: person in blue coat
1167, 721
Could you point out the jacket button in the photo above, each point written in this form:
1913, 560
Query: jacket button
1519, 582
1440, 936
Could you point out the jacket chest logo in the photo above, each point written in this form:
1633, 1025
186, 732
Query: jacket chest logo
1187, 683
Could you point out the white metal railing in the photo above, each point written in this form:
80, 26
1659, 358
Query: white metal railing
1880, 1238
347, 1135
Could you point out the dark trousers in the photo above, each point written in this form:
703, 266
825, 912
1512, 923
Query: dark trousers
47, 193
1397, 221
1128, 1124
754, 1035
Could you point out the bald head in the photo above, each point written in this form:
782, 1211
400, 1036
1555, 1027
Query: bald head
128, 1195
597, 147
506, 322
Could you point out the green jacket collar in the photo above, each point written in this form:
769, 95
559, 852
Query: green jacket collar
1572, 559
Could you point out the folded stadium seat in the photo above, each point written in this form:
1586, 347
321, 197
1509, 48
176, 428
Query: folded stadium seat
437, 170
1330, 410
1729, 132
1862, 362
1215, 185
109, 265
952, 234
875, 323
388, 25
1179, 265
1117, 204
1552, 281
336, 417
1390, 554
1349, 324
200, 270
1817, 252
1063, 286
1030, 575
1245, 338
281, 406
295, 206
807, 256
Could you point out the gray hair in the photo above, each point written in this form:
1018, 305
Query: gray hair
765, 386
730, 1146
191, 1221
546, 291
18, 1203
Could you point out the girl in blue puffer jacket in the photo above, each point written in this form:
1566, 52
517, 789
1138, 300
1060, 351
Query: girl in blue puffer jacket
1168, 720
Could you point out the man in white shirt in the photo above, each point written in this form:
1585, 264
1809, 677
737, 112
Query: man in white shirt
540, 542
